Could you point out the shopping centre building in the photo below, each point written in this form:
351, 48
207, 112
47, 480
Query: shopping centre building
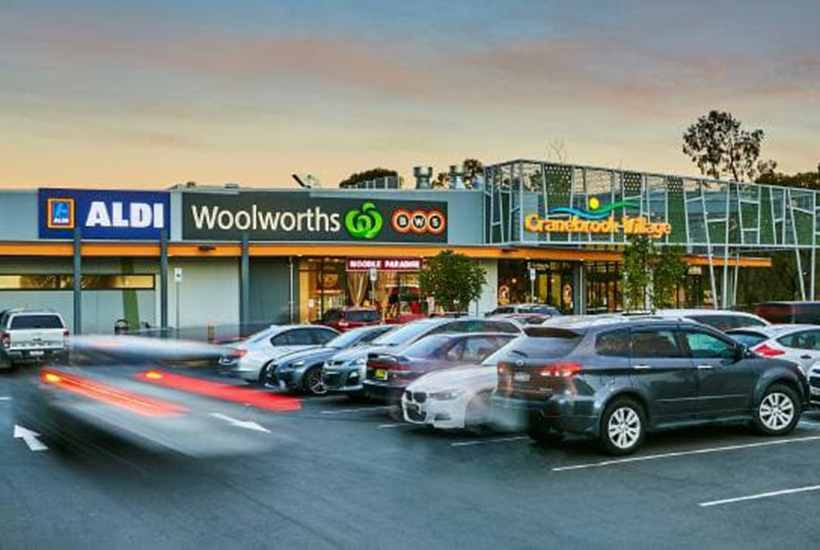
228, 255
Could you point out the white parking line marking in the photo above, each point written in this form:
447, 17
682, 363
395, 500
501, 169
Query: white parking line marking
342, 411
808, 423
483, 441
759, 496
388, 426
686, 453
5, 398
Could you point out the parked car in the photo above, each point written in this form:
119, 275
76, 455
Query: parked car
388, 374
790, 312
721, 319
302, 370
345, 371
455, 398
814, 385
346, 318
250, 358
617, 380
541, 309
31, 337
798, 343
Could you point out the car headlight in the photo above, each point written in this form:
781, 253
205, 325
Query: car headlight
446, 395
298, 364
360, 361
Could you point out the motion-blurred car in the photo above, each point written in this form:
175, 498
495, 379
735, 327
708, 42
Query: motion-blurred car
798, 343
617, 380
388, 374
345, 371
790, 312
347, 318
720, 319
250, 358
302, 370
106, 395
455, 398
531, 309
31, 336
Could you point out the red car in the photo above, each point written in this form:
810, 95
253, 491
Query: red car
346, 318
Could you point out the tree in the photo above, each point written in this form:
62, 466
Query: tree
802, 180
367, 175
668, 272
453, 280
472, 169
720, 147
638, 272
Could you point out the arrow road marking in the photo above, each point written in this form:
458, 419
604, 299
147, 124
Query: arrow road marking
247, 424
30, 438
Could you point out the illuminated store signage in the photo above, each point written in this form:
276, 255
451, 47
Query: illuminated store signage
284, 217
383, 264
103, 214
626, 225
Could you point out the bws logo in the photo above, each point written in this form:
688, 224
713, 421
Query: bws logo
418, 221
60, 213
365, 223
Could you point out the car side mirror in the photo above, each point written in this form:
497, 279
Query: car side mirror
735, 354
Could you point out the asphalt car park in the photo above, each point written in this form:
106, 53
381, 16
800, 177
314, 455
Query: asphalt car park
342, 474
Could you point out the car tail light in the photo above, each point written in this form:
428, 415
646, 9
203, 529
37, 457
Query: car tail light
239, 353
768, 351
6, 338
66, 334
343, 324
399, 367
561, 369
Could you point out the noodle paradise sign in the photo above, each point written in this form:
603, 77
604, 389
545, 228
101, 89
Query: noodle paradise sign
596, 219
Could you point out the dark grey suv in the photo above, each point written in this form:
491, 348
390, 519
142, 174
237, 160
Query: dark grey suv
616, 380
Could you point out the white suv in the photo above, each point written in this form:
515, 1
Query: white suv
31, 337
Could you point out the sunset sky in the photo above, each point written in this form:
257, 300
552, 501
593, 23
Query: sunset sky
148, 94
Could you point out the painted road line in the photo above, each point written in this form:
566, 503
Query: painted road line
247, 424
759, 496
685, 453
343, 411
808, 423
30, 437
5, 398
388, 426
485, 441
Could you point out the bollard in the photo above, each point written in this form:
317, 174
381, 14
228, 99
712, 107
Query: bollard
210, 330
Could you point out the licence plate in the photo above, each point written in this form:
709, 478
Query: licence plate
381, 374
36, 353
521, 377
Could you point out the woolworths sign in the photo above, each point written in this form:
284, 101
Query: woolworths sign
287, 217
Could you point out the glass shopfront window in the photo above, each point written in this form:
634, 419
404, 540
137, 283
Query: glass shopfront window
603, 287
553, 283
328, 283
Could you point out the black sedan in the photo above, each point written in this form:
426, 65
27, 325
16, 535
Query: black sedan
302, 370
616, 381
389, 373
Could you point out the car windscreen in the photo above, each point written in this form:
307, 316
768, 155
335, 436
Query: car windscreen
427, 347
362, 316
498, 355
544, 343
404, 334
259, 336
356, 336
727, 322
35, 321
747, 338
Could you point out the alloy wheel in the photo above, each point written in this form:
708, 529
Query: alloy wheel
314, 382
624, 427
776, 411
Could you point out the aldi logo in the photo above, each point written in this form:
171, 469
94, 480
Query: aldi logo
102, 214
60, 213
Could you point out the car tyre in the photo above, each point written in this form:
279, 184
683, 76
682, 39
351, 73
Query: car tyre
541, 432
623, 427
263, 375
778, 411
476, 417
6, 365
312, 381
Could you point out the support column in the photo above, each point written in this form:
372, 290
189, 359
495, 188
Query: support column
579, 295
244, 283
78, 282
163, 281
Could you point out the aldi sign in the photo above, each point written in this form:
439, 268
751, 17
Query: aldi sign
127, 215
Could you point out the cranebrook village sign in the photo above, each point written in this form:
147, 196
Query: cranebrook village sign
596, 220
